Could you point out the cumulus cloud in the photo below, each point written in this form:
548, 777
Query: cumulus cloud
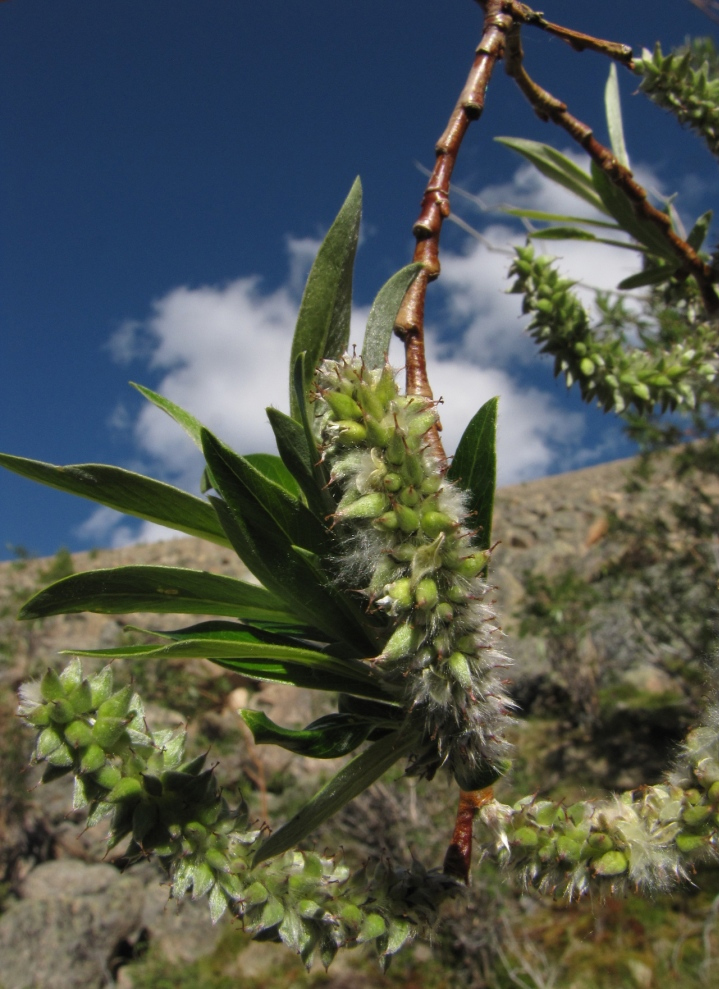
220, 352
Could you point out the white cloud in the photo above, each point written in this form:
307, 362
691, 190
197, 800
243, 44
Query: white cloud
221, 353
107, 528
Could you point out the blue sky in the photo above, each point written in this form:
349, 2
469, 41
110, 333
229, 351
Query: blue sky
168, 168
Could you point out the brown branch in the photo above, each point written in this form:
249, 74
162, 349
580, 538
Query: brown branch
409, 325
523, 14
548, 107
458, 860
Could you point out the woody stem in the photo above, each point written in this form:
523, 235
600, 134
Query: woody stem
409, 325
548, 107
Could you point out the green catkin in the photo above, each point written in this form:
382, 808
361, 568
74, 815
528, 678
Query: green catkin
177, 810
643, 840
408, 547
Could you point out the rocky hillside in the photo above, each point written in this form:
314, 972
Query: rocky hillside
605, 580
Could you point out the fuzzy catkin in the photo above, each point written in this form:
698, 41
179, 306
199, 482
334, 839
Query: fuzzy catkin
407, 548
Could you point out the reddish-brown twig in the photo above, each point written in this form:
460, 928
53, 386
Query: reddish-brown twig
409, 326
522, 14
458, 859
548, 107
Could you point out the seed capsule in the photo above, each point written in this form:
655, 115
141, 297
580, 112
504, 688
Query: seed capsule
413, 470
369, 506
101, 686
60, 711
611, 864
431, 485
117, 705
351, 433
460, 670
126, 790
407, 518
106, 731
396, 451
435, 522
471, 566
695, 816
47, 742
343, 406
378, 433
426, 595
51, 687
39, 717
599, 842
421, 424
409, 496
81, 698
401, 592
371, 403
392, 482
388, 520
79, 734
93, 758
107, 776
401, 643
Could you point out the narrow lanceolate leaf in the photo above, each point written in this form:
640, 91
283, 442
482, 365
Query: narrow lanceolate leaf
320, 472
247, 491
557, 167
273, 560
613, 107
323, 322
270, 533
474, 468
383, 314
160, 590
618, 203
302, 460
329, 738
188, 422
125, 491
258, 656
574, 233
345, 786
650, 276
538, 214
272, 467
697, 234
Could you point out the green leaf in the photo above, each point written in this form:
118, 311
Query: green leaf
272, 467
257, 655
188, 422
538, 214
650, 276
161, 590
613, 107
383, 314
557, 167
474, 468
573, 233
268, 553
265, 527
330, 737
302, 460
697, 234
319, 470
126, 492
561, 233
323, 322
248, 492
349, 782
618, 203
